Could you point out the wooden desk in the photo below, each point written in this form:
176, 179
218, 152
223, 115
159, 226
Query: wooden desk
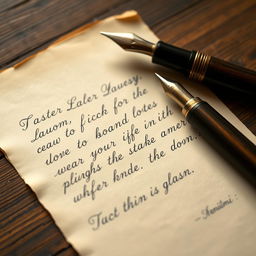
225, 29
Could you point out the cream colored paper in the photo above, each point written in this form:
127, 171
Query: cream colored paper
188, 202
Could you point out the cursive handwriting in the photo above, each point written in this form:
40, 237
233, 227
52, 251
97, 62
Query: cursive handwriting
99, 219
108, 88
173, 179
208, 211
24, 122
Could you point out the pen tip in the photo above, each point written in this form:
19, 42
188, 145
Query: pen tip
163, 80
175, 90
131, 42
104, 33
165, 83
107, 34
122, 39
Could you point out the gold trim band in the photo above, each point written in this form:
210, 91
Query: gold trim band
189, 105
199, 66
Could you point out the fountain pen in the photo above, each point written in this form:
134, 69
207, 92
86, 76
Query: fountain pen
195, 65
239, 151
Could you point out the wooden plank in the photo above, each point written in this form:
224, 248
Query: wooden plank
10, 4
24, 223
36, 24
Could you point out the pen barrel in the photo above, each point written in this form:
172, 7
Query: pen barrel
226, 74
203, 68
173, 57
225, 138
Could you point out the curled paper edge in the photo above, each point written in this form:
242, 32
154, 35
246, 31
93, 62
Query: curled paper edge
4, 153
130, 15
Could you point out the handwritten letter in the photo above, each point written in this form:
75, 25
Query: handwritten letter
121, 171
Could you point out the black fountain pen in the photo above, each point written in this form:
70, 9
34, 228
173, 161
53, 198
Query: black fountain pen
193, 64
222, 135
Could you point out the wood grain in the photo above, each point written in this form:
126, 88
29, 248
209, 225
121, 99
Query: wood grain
26, 228
34, 25
225, 29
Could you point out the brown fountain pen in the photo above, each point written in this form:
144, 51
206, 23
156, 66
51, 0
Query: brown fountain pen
195, 65
228, 141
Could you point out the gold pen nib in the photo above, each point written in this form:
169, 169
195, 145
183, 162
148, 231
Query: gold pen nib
131, 42
175, 91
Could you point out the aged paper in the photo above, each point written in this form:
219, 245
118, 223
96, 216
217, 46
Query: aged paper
90, 130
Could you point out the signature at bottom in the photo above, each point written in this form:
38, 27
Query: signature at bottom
211, 210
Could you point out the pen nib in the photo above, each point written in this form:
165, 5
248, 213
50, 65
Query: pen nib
175, 91
131, 42
164, 81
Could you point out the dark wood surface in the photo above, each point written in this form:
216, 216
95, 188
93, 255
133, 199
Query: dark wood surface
225, 29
